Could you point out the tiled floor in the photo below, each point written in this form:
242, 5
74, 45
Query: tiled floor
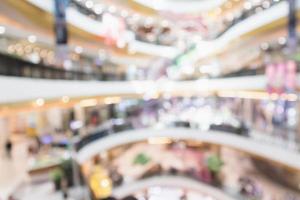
14, 178
13, 170
45, 191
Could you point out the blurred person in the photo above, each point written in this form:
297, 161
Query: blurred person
64, 186
8, 148
109, 198
129, 198
183, 196
11, 197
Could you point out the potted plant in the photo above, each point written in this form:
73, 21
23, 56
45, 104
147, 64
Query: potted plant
67, 168
56, 176
214, 164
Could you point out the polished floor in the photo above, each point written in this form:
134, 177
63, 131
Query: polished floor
14, 178
13, 170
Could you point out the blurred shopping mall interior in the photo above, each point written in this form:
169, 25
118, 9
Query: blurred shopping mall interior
149, 100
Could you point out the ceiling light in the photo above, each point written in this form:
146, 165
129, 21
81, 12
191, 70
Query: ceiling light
11, 49
247, 5
2, 29
136, 17
228, 5
131, 50
65, 99
32, 39
124, 13
88, 102
18, 46
40, 102
197, 38
258, 9
28, 49
282, 40
112, 100
218, 11
112, 9
257, 2
159, 140
149, 21
78, 49
98, 9
89, 4
265, 46
210, 69
102, 54
36, 49
165, 23
266, 4
121, 44
188, 69
20, 52
229, 17
44, 53
51, 54
67, 64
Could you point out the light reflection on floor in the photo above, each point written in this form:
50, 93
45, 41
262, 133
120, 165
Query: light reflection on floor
171, 193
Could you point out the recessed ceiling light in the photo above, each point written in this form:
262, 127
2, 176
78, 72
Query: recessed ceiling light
258, 9
265, 46
28, 49
165, 23
266, 4
247, 5
149, 20
65, 99
124, 13
32, 38
11, 49
98, 9
89, 4
136, 16
78, 49
67, 64
121, 44
2, 29
228, 5
218, 11
229, 17
132, 50
282, 40
112, 9
40, 102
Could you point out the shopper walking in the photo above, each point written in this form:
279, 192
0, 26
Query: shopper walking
8, 148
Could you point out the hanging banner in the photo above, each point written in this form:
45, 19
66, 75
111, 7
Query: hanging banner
61, 31
115, 28
291, 76
292, 25
281, 77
